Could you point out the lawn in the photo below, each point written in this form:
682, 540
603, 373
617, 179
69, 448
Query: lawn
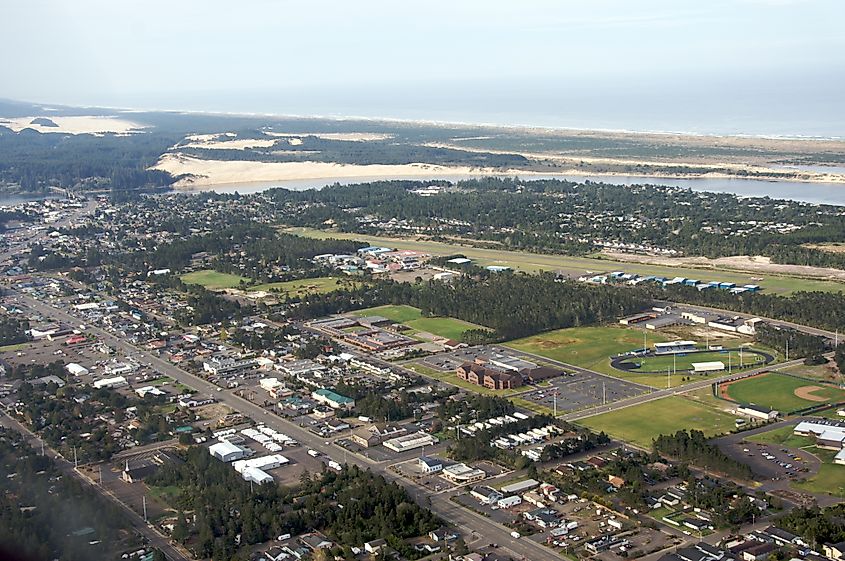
450, 328
534, 262
13, 348
318, 285
783, 436
591, 347
399, 314
829, 480
213, 280
640, 424
778, 392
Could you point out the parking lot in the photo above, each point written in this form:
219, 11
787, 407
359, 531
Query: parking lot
579, 390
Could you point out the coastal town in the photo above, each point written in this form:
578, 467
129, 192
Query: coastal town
519, 448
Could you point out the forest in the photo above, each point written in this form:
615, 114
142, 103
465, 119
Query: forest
351, 507
33, 162
577, 218
514, 305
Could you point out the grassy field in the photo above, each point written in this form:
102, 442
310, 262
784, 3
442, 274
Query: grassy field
399, 314
778, 392
782, 436
591, 347
13, 348
318, 285
450, 328
829, 480
640, 424
533, 262
213, 280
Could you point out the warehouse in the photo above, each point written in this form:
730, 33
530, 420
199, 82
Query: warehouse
225, 451
115, 382
758, 412
76, 369
332, 399
411, 441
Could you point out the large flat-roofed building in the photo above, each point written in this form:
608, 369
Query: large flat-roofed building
411, 441
673, 347
225, 451
520, 486
113, 382
226, 366
462, 473
332, 399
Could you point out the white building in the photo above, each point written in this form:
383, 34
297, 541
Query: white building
430, 465
115, 382
713, 366
758, 412
225, 451
462, 473
76, 369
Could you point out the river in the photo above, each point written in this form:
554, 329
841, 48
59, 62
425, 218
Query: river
818, 193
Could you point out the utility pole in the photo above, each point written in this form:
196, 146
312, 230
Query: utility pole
101, 475
75, 461
555, 400
42, 447
740, 356
730, 364
787, 350
144, 498
668, 378
604, 393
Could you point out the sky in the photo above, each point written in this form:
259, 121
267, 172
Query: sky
729, 66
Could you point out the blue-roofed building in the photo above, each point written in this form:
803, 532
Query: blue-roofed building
497, 268
752, 287
691, 282
727, 285
332, 399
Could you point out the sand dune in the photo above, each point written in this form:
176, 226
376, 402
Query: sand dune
211, 172
80, 124
347, 136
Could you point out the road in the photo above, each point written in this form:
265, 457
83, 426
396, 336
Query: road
66, 467
441, 505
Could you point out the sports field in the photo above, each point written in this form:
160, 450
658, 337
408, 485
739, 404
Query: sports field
683, 362
640, 424
592, 347
213, 280
318, 285
451, 328
533, 262
781, 392
399, 314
